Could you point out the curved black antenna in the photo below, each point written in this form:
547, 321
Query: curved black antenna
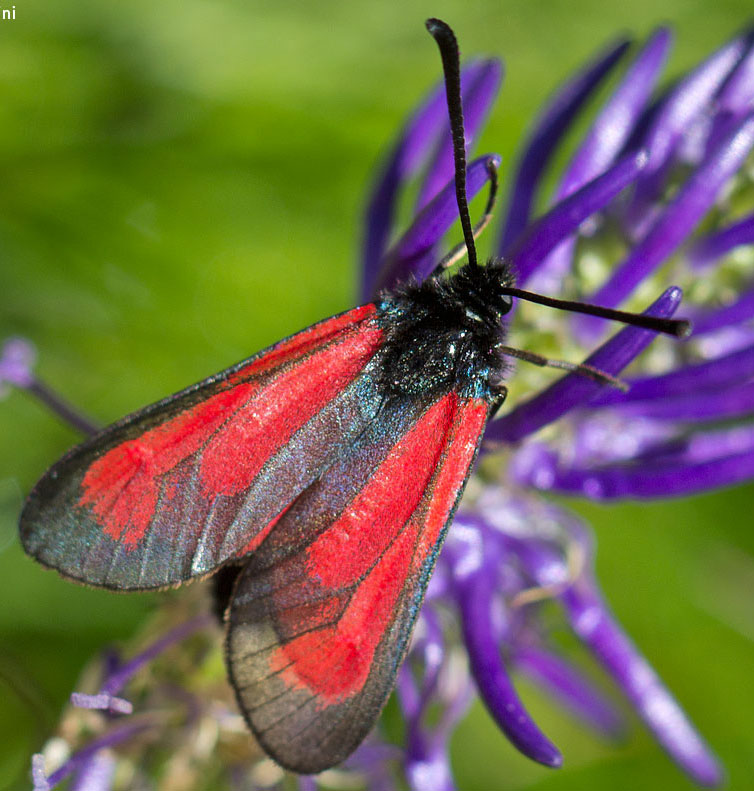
457, 252
680, 328
446, 41
448, 45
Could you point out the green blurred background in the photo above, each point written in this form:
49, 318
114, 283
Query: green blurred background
182, 184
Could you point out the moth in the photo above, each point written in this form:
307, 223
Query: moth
323, 471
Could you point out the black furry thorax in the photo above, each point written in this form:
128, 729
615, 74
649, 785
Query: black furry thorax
444, 334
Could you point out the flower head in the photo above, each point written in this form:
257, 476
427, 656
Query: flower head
17, 358
649, 198
668, 429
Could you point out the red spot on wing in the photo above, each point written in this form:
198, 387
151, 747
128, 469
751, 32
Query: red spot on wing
384, 538
303, 342
122, 486
237, 451
459, 454
334, 663
241, 428
347, 549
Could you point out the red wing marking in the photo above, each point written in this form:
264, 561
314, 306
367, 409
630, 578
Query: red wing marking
304, 341
333, 663
241, 428
385, 535
457, 460
347, 549
236, 453
122, 486
316, 634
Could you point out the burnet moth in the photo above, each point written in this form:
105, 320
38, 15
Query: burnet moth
320, 475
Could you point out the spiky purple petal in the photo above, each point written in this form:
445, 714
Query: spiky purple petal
658, 475
494, 684
737, 95
595, 625
598, 629
549, 129
679, 109
612, 126
709, 248
709, 375
541, 237
674, 225
606, 138
735, 401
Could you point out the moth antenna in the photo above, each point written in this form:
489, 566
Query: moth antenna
584, 369
680, 328
456, 252
451, 65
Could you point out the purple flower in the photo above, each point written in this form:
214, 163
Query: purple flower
681, 427
17, 358
654, 179
650, 169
